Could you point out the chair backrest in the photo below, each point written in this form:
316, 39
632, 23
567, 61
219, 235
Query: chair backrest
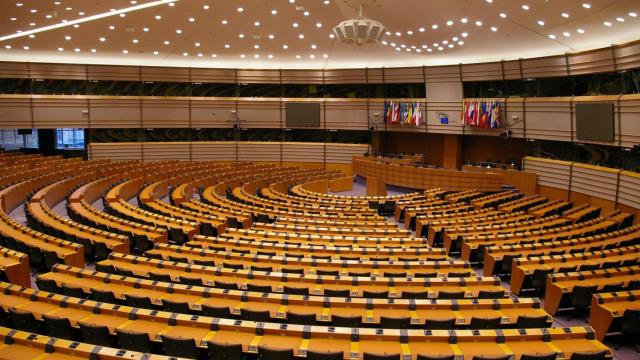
73, 291
47, 285
395, 323
337, 293
455, 274
262, 268
133, 340
524, 322
597, 355
179, 259
215, 311
539, 278
23, 320
484, 323
376, 356
265, 353
613, 287
375, 294
190, 281
415, 294
551, 356
499, 357
123, 272
630, 322
57, 327
304, 319
425, 275
581, 295
329, 355
225, 285
293, 271
104, 296
109, 269
255, 315
259, 288
395, 274
451, 295
440, 324
346, 321
95, 334
179, 347
435, 357
220, 351
490, 294
328, 272
138, 301
181, 307
233, 266
204, 262
296, 290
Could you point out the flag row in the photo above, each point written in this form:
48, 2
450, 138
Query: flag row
403, 113
481, 113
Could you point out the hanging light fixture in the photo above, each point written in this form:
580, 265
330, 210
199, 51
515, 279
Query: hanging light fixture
359, 31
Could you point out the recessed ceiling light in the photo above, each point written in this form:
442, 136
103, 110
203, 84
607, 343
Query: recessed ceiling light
76, 50
172, 4
312, 56
565, 15
214, 55
409, 32
178, 31
460, 43
318, 25
490, 1
240, 9
226, 46
464, 20
607, 23
274, 12
135, 41
241, 36
326, 56
449, 22
429, 50
580, 31
224, 22
32, 36
586, 5
326, 2
25, 47
33, 11
455, 38
525, 7
145, 29
331, 36
440, 48
398, 33
197, 44
301, 36
313, 46
478, 23
81, 13
185, 54
67, 37
422, 29
271, 36
541, 22
434, 26
192, 19
633, 14
199, 54
14, 19
7, 46
620, 19
156, 53
551, 36
242, 56
297, 56
503, 15
123, 15
48, 16
306, 13
436, 44
450, 46
256, 23
256, 56
464, 34
494, 29
566, 34
445, 42
295, 25
206, 7
158, 17
111, 27
384, 42
125, 51
60, 49
270, 56
167, 42
285, 46
19, 4
256, 46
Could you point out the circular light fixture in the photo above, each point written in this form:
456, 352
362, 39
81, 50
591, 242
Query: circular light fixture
359, 31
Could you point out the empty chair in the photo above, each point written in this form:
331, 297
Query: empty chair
435, 357
379, 259
426, 275
612, 287
296, 290
346, 321
36, 259
499, 357
153, 256
395, 322
375, 294
225, 285
141, 243
293, 271
611, 264
532, 255
329, 355
451, 295
557, 252
159, 277
255, 315
124, 272
259, 288
109, 269
337, 292
133, 340
351, 258
181, 307
233, 266
321, 257
265, 353
101, 251
440, 324
138, 301
220, 351
104, 296
376, 356
628, 262
95, 334
304, 319
630, 327
567, 269
241, 251
490, 294
216, 311
47, 285
596, 355
178, 259
588, 267
57, 327
581, 297
360, 274
507, 261
415, 294
539, 278
484, 323
50, 259
190, 281
266, 253
73, 291
551, 356
459, 274
327, 272
261, 268
297, 256
524, 322
395, 274
204, 262
23, 320
179, 347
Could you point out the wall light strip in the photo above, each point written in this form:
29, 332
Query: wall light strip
86, 19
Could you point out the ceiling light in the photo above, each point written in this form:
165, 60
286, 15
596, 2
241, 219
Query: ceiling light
224, 22
633, 14
359, 30
301, 36
226, 46
274, 12
503, 15
464, 20
398, 33
312, 56
197, 44
270, 56
172, 4
192, 19
156, 53
525, 7
185, 54
256, 46
67, 37
440, 48
455, 38
81, 13
257, 23
409, 32
620, 19
167, 42
122, 15
125, 51
450, 46
313, 46
306, 13
586, 5
285, 46
494, 29
32, 36
326, 56
434, 26
429, 50
48, 16
178, 31
580, 31
297, 56
240, 9
214, 55
295, 25
111, 27
135, 41
384, 42
460, 43
25, 47
421, 29
7, 46
478, 23
256, 56
206, 7
60, 49
241, 36
551, 36
318, 25
14, 19
326, 2
158, 17
76, 50
331, 36
271, 36
464, 34
566, 34
75, 25
540, 22
145, 29
565, 15
607, 23
19, 4
490, 1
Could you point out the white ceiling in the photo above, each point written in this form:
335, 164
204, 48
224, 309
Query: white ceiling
424, 32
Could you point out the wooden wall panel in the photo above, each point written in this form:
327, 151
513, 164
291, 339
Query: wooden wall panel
514, 115
212, 112
627, 56
551, 173
168, 74
512, 70
155, 151
14, 70
259, 113
55, 112
58, 71
482, 71
344, 153
629, 132
214, 150
113, 72
404, 75
302, 152
213, 75
115, 151
588, 62
594, 181
444, 97
259, 151
345, 76
346, 114
544, 67
255, 76
165, 112
549, 118
446, 73
629, 185
114, 112
15, 112
302, 77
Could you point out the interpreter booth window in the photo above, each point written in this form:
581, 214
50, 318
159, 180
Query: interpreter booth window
70, 138
13, 139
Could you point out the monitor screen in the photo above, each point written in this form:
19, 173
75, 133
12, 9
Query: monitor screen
595, 122
302, 114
